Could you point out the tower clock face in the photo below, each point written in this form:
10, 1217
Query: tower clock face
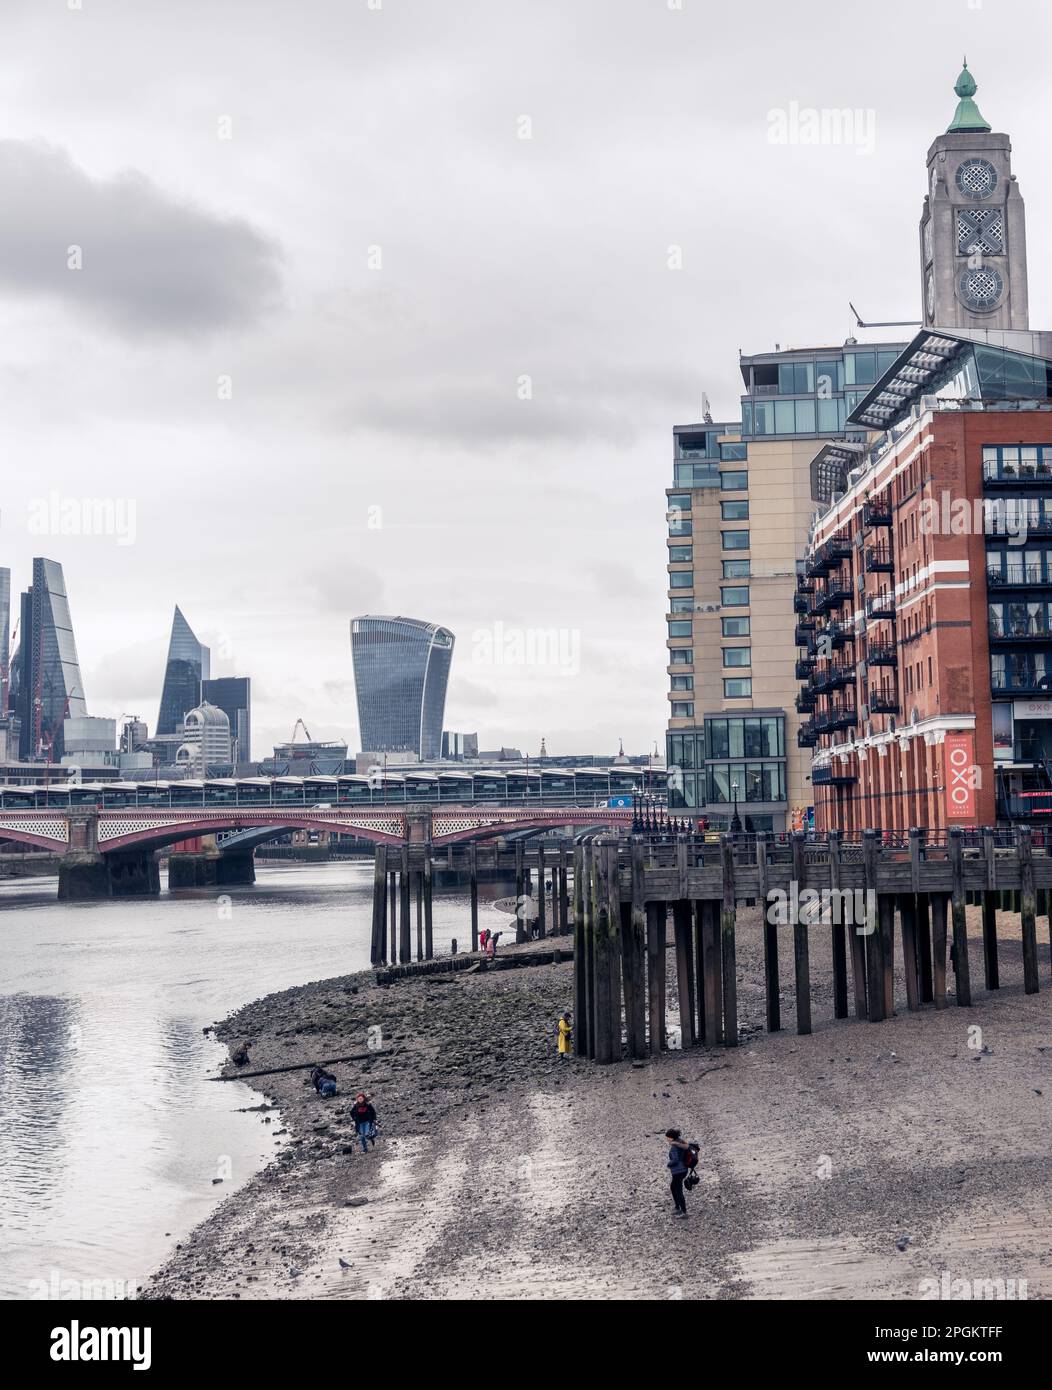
981, 288
927, 240
930, 296
976, 178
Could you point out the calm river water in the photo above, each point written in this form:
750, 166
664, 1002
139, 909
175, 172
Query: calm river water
110, 1134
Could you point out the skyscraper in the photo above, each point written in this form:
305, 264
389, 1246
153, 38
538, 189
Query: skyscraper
5, 638
47, 686
233, 695
401, 667
186, 668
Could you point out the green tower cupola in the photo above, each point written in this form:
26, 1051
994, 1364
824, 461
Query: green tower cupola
967, 116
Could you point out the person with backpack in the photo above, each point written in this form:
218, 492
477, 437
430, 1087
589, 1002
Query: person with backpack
564, 1035
323, 1081
364, 1117
682, 1161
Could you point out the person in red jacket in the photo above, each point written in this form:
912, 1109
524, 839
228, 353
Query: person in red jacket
364, 1117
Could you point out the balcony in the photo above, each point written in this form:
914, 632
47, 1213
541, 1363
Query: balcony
829, 554
805, 702
1035, 679
838, 716
880, 605
807, 735
1018, 577
999, 474
834, 595
878, 559
836, 676
803, 634
1031, 630
838, 633
876, 512
883, 699
805, 668
832, 776
882, 654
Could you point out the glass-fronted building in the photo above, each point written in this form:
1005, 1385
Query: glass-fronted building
401, 669
187, 666
233, 695
46, 683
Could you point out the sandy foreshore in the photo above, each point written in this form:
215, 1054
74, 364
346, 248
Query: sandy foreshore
503, 1172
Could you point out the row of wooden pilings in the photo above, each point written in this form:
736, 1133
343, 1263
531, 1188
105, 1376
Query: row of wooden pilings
620, 938
404, 873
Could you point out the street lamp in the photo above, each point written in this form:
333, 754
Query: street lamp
736, 823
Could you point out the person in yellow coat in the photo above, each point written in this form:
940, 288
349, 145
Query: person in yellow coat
565, 1034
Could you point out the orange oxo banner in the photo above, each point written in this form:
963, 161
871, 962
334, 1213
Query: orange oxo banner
959, 752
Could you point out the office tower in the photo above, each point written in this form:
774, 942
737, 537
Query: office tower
233, 695
49, 685
5, 640
928, 579
187, 666
206, 739
401, 667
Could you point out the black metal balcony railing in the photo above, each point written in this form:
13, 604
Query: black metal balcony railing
805, 702
876, 512
807, 734
832, 776
880, 605
1018, 577
882, 654
883, 699
838, 715
878, 559
801, 604
834, 677
805, 667
804, 632
828, 555
838, 633
1032, 630
1014, 473
1036, 680
834, 595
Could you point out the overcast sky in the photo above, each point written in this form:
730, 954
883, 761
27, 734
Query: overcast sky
350, 343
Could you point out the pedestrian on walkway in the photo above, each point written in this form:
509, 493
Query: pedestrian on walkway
364, 1117
682, 1159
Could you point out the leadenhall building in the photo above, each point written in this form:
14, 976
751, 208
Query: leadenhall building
924, 602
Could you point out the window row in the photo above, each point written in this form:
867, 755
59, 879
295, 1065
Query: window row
1028, 619
1021, 670
1017, 461
731, 736
742, 783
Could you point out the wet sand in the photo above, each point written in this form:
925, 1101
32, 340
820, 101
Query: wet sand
503, 1172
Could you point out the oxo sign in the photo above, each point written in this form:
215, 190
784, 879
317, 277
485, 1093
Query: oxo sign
961, 777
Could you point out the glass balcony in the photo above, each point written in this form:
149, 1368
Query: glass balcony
1018, 577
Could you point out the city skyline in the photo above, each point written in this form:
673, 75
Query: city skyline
334, 429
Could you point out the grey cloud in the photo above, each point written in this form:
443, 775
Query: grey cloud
152, 265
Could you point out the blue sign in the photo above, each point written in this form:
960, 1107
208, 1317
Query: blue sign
620, 803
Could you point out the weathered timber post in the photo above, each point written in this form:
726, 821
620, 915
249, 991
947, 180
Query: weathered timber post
712, 970
698, 952
520, 891
405, 940
960, 921
875, 999
542, 905
1028, 921
924, 947
801, 951
377, 948
580, 992
938, 948
989, 906
838, 928
770, 942
473, 876
600, 916
588, 901
728, 950
563, 893
656, 929
908, 924
429, 934
682, 932
392, 898
613, 926
418, 884
633, 940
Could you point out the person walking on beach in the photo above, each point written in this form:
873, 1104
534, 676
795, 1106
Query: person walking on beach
484, 940
682, 1159
565, 1031
364, 1120
493, 943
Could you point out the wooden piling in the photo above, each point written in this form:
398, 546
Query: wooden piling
862, 936
563, 893
875, 997
960, 924
580, 967
521, 906
392, 898
924, 947
887, 932
801, 945
588, 897
1028, 919
473, 877
633, 942
712, 971
988, 900
377, 945
838, 928
727, 947
418, 882
656, 930
542, 905
938, 948
613, 926
405, 940
681, 929
698, 952
910, 965
604, 1053
770, 943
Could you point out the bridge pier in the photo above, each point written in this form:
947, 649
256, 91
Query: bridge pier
211, 868
84, 875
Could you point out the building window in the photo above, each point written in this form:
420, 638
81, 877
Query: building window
678, 515
734, 482
737, 656
735, 540
679, 553
734, 511
683, 709
735, 627
748, 736
682, 683
681, 605
794, 378
735, 596
681, 656
738, 688
680, 629
736, 569
681, 579
732, 453
729, 782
